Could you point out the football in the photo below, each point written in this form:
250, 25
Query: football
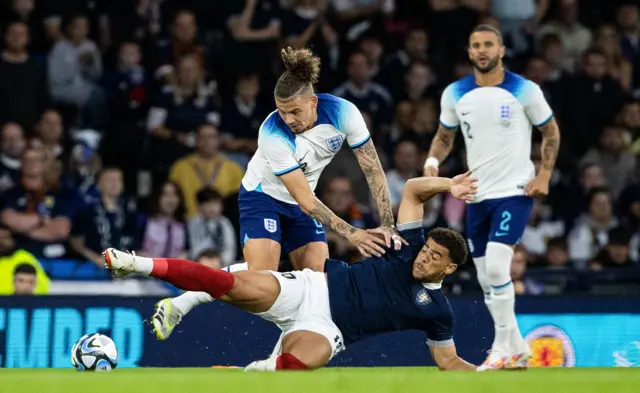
94, 352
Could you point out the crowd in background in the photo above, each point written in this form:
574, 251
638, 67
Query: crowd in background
129, 124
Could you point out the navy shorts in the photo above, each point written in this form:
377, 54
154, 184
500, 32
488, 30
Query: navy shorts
501, 220
263, 217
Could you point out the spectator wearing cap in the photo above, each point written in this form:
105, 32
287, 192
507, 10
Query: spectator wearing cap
110, 222
19, 269
210, 230
24, 91
38, 213
12, 145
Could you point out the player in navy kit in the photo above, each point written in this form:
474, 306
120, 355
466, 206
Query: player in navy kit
320, 313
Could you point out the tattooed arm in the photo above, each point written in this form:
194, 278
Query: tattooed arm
370, 164
539, 187
440, 148
298, 186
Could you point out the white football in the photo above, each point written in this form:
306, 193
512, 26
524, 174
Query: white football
94, 352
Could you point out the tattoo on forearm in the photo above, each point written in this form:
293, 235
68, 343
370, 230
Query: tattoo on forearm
326, 217
370, 164
442, 143
550, 144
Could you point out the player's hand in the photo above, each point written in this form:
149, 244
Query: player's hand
538, 187
367, 243
430, 171
390, 233
464, 187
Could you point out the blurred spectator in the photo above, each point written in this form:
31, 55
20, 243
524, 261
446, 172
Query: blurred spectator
39, 216
25, 11
12, 145
539, 229
351, 11
110, 222
305, 25
591, 231
553, 52
522, 284
629, 27
184, 42
178, 111
618, 166
209, 229
24, 280
10, 260
338, 196
24, 91
629, 118
373, 49
165, 234
557, 255
569, 208
616, 253
575, 37
211, 259
518, 20
620, 68
593, 103
629, 202
84, 165
126, 87
403, 122
206, 168
418, 83
425, 122
406, 164
415, 48
367, 95
242, 116
75, 67
49, 133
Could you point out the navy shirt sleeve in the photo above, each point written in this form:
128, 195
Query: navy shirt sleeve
413, 233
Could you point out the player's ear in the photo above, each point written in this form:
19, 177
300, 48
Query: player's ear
451, 267
502, 51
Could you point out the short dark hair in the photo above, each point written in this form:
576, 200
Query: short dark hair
597, 190
208, 195
620, 236
302, 71
209, 253
557, 242
24, 268
488, 28
453, 242
593, 52
106, 169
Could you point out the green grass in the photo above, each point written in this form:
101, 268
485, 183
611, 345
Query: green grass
333, 380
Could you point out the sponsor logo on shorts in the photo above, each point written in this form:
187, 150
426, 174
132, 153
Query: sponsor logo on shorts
551, 347
270, 225
334, 143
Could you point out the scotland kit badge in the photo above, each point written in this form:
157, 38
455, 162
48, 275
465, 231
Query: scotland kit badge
270, 225
422, 297
505, 115
334, 143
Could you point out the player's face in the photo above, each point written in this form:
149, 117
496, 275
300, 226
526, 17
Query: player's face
298, 113
432, 263
485, 51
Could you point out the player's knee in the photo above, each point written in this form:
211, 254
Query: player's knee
287, 361
498, 260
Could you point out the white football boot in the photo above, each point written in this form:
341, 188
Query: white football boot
119, 262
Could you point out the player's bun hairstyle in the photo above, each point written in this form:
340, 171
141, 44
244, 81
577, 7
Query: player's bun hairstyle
302, 69
452, 241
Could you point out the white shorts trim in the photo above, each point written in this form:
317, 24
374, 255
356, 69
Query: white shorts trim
303, 304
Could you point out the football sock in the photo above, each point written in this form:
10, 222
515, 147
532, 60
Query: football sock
287, 361
188, 300
192, 276
483, 279
502, 294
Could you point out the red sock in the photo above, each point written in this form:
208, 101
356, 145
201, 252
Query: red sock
192, 276
287, 361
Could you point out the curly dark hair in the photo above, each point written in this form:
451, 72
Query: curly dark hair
302, 70
453, 242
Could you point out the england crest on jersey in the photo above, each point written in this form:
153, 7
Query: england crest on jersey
334, 143
270, 225
505, 115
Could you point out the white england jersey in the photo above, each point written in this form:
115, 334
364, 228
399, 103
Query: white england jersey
496, 124
280, 151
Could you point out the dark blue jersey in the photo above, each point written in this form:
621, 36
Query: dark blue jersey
380, 295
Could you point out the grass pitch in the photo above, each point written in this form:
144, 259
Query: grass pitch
331, 380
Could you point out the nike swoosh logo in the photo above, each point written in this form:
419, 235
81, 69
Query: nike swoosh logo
498, 234
465, 113
319, 232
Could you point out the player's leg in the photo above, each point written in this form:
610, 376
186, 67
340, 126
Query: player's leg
478, 224
510, 217
299, 350
304, 239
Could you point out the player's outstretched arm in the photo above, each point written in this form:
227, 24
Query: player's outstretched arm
298, 186
372, 169
419, 190
447, 359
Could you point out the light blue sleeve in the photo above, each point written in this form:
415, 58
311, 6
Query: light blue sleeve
279, 148
448, 116
535, 105
352, 125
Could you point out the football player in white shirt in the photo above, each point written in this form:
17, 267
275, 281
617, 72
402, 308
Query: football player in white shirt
495, 111
278, 208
